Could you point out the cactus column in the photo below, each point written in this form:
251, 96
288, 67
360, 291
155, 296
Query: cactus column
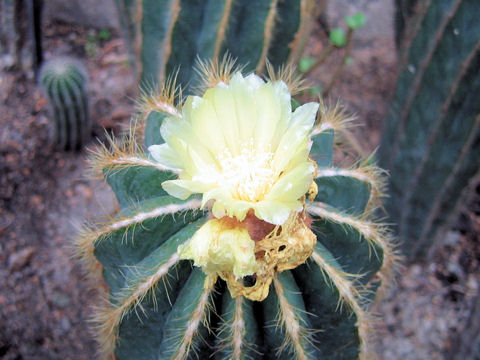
287, 275
174, 34
431, 142
64, 82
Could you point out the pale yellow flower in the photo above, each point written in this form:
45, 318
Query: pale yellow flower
219, 246
241, 146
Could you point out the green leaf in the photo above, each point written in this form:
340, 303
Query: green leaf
305, 64
104, 35
338, 37
356, 21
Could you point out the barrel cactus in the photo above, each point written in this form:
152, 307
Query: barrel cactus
168, 35
431, 141
236, 237
64, 82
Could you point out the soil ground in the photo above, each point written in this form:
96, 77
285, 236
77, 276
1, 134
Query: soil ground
45, 300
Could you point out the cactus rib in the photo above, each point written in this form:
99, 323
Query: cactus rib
429, 143
299, 42
109, 317
232, 331
90, 235
130, 221
114, 157
371, 231
407, 29
238, 329
419, 73
238, 336
348, 294
167, 45
183, 327
267, 35
438, 198
410, 188
222, 29
174, 32
367, 174
297, 336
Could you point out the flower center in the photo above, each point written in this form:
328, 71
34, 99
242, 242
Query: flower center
249, 175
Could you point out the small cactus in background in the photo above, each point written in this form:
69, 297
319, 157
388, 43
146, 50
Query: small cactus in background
431, 143
236, 237
64, 82
169, 35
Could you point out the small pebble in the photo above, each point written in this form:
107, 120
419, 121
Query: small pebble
20, 259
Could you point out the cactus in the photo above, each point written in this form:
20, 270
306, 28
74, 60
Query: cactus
173, 34
268, 264
64, 83
431, 141
20, 34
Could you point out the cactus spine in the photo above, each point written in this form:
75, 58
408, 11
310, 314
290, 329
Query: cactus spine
64, 82
431, 141
174, 34
161, 307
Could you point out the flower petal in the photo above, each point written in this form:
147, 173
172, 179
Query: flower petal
165, 155
269, 116
293, 184
274, 212
218, 247
182, 189
296, 136
224, 104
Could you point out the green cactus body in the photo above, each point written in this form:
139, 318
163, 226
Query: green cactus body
162, 307
64, 82
175, 34
431, 144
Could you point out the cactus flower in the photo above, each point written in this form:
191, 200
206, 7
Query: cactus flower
242, 147
278, 227
219, 245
